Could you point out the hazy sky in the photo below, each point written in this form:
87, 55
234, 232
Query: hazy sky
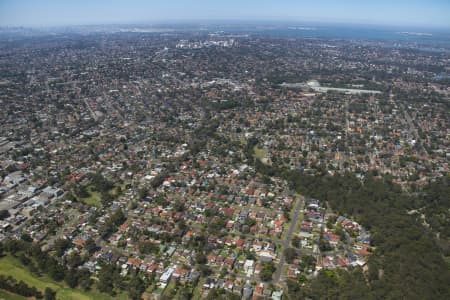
424, 13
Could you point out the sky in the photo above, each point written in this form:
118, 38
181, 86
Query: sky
417, 13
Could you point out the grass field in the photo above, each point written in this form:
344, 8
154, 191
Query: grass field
260, 153
117, 188
93, 199
12, 267
6, 295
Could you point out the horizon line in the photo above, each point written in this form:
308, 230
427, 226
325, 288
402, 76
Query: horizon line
236, 21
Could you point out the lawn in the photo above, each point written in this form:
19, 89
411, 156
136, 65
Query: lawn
260, 153
115, 190
9, 296
10, 266
93, 199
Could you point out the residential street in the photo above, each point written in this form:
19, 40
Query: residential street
285, 244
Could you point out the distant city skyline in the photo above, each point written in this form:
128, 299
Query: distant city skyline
412, 13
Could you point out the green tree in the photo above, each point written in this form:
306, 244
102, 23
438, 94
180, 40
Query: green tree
61, 245
4, 214
49, 294
201, 258
90, 245
267, 271
296, 242
105, 282
26, 238
71, 279
290, 254
136, 287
